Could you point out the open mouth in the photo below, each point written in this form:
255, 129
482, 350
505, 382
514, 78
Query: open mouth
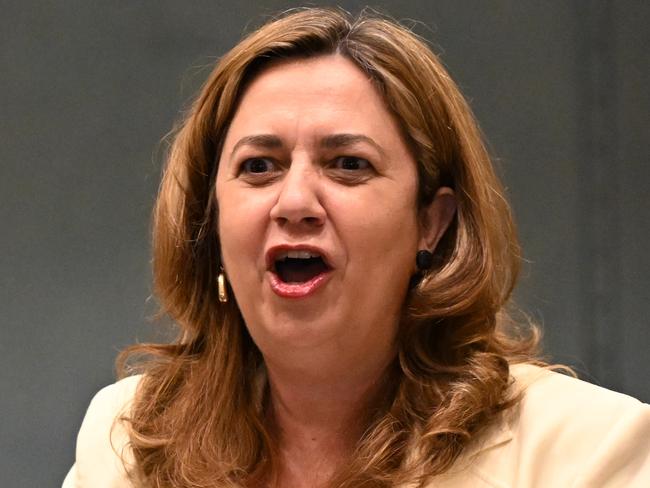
299, 266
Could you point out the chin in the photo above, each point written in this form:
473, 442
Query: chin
298, 327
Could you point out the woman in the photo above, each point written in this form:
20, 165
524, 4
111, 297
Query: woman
337, 252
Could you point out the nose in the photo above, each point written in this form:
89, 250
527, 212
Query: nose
298, 202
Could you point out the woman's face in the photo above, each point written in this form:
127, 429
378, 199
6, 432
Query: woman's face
317, 209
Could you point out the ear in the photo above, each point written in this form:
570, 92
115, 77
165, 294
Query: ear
436, 217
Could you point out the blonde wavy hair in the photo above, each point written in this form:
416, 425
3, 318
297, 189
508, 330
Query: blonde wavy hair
198, 418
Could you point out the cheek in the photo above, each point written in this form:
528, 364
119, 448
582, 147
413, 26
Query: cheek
381, 241
380, 227
242, 223
393, 237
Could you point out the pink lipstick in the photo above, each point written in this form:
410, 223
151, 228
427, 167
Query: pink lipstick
297, 290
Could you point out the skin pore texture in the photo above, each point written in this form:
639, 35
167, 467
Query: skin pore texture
313, 160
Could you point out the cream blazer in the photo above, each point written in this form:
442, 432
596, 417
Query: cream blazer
564, 434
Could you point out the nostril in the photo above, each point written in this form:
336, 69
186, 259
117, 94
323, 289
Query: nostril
309, 221
312, 220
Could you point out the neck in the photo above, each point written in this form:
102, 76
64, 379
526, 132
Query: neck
318, 402
322, 394
328, 405
320, 414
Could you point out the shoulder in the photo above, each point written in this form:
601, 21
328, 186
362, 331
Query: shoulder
102, 453
112, 400
575, 413
567, 432
545, 386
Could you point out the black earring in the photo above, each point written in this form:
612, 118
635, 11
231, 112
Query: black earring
424, 260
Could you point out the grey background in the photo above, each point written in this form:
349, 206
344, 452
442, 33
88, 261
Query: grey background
88, 89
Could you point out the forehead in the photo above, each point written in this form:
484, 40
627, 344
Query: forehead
323, 94
331, 74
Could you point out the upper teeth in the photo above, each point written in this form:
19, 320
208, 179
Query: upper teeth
296, 254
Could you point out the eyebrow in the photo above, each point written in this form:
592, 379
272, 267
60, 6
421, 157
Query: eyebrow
264, 141
336, 141
333, 141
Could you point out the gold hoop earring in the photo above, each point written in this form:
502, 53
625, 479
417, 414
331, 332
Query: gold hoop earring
221, 287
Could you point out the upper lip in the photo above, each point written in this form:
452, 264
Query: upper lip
273, 252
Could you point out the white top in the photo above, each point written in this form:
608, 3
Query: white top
564, 433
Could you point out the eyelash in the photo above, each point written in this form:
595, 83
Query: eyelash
342, 159
246, 166
337, 166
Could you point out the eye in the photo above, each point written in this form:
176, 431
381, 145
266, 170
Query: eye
351, 170
257, 166
352, 163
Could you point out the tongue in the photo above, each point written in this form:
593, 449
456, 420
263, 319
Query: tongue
299, 270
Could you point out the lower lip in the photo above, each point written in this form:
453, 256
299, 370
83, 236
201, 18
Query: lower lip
297, 290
